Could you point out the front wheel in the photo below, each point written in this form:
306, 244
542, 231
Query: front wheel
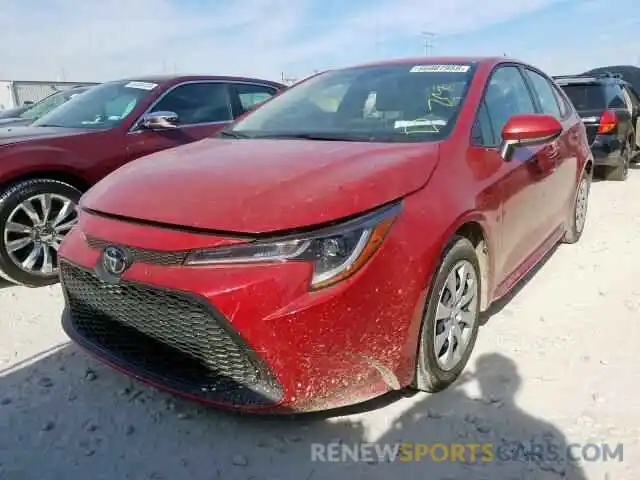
450, 322
35, 215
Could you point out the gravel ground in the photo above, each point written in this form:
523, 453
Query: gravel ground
554, 361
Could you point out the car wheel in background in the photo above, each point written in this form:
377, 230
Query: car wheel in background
34, 217
450, 322
620, 172
578, 218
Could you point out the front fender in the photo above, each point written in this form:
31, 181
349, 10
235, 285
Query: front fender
23, 160
486, 255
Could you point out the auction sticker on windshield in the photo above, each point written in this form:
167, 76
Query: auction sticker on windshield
142, 85
418, 123
440, 69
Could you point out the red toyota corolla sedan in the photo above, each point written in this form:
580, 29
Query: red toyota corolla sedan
336, 243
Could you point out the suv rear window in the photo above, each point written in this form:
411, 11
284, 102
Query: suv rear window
594, 96
586, 97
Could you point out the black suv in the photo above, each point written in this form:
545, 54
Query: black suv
609, 108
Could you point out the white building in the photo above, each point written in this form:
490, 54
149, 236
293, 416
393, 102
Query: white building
15, 93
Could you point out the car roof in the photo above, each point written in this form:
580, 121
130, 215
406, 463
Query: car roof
173, 79
489, 61
587, 78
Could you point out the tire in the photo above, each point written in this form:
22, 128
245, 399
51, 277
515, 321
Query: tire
620, 172
431, 375
635, 146
24, 227
578, 218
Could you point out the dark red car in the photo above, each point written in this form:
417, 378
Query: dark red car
336, 243
45, 167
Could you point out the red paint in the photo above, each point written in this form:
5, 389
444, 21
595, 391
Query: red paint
321, 344
323, 181
82, 157
531, 127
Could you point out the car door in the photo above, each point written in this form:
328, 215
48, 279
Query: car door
557, 187
202, 108
516, 182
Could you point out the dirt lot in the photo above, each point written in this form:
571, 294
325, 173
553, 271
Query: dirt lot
558, 361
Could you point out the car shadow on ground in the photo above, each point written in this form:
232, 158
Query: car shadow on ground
64, 416
6, 284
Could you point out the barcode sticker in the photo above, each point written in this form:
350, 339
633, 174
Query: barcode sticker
440, 69
142, 85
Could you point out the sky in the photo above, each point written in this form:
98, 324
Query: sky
99, 40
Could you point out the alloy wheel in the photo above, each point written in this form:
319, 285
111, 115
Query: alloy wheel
582, 202
34, 231
456, 313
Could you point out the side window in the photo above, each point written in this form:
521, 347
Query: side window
627, 100
634, 97
614, 96
544, 93
204, 102
483, 132
251, 95
507, 95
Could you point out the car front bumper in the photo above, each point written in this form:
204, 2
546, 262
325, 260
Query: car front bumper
251, 338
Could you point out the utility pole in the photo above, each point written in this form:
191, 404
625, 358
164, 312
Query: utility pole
427, 42
287, 80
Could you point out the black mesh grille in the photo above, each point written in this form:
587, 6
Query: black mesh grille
141, 255
168, 336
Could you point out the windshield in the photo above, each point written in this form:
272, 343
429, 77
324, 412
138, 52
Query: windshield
388, 103
103, 106
49, 103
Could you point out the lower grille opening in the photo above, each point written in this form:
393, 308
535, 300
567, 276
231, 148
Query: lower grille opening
167, 337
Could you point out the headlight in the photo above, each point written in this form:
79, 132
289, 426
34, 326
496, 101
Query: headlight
336, 252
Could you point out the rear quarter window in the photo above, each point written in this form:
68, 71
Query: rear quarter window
566, 109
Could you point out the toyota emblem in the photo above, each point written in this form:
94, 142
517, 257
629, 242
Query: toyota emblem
115, 260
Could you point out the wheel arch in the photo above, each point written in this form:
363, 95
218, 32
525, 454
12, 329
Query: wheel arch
62, 175
475, 227
588, 166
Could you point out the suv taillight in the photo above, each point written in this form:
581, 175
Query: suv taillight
608, 122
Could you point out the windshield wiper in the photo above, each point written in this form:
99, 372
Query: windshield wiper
231, 134
319, 136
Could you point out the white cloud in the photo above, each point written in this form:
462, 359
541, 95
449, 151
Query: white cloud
106, 39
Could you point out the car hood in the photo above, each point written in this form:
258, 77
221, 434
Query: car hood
260, 186
21, 133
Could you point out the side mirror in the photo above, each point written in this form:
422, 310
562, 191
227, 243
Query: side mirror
160, 120
528, 130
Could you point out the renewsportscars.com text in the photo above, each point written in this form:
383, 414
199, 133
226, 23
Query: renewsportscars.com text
467, 452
